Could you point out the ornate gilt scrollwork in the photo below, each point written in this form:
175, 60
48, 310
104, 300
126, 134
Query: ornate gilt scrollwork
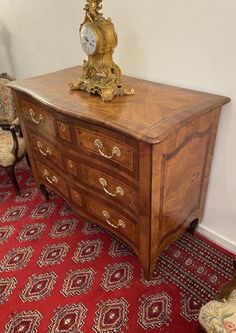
101, 75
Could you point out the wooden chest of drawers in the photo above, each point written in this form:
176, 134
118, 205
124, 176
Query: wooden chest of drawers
138, 166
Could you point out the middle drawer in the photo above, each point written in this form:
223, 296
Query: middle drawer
105, 181
109, 186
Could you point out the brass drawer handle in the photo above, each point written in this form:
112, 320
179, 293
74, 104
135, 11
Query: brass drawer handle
120, 222
40, 117
115, 150
119, 189
46, 152
52, 180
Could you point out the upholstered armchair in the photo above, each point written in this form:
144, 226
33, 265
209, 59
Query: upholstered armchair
219, 315
12, 145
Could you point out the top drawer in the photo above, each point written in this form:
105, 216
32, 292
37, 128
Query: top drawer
109, 147
38, 117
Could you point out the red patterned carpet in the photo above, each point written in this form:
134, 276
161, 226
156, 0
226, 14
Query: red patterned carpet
59, 274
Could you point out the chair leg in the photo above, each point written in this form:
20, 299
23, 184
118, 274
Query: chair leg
12, 176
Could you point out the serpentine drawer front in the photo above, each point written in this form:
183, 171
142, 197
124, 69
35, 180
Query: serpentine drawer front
110, 187
138, 166
37, 117
105, 146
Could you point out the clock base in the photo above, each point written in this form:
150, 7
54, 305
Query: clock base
106, 91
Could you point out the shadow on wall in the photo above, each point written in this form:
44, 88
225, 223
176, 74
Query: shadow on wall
6, 63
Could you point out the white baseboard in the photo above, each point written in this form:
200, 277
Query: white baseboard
216, 238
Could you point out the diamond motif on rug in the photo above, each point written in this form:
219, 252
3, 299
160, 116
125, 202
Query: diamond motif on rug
38, 287
24, 322
6, 288
31, 231
119, 249
68, 319
64, 228
14, 213
26, 195
5, 233
190, 307
16, 258
111, 316
78, 282
44, 210
88, 250
117, 276
53, 254
155, 311
91, 228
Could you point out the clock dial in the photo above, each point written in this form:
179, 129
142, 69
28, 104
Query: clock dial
88, 39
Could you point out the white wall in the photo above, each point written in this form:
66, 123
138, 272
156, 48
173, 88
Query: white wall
182, 42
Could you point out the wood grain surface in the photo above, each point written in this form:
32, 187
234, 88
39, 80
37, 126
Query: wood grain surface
152, 113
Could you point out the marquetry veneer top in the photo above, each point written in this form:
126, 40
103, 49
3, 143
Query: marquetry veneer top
152, 113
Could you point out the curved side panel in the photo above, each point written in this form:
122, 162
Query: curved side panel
183, 175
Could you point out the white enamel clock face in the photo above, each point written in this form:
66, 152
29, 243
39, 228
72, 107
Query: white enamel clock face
88, 40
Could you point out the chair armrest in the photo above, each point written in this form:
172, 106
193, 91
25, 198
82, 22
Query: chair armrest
12, 129
5, 126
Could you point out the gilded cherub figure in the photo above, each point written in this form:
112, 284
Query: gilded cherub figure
92, 9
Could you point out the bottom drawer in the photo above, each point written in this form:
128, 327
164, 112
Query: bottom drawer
52, 179
112, 219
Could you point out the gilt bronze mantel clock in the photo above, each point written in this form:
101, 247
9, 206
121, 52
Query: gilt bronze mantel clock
98, 39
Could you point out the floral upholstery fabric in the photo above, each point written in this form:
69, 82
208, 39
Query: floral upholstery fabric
219, 317
7, 107
6, 145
